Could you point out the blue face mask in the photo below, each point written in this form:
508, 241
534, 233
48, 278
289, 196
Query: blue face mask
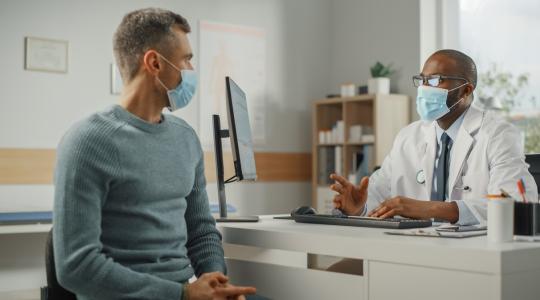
431, 102
180, 96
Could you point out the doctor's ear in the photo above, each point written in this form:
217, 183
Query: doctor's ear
468, 90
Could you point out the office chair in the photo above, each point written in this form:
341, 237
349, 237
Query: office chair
53, 290
534, 167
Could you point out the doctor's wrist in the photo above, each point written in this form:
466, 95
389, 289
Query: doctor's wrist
360, 211
444, 210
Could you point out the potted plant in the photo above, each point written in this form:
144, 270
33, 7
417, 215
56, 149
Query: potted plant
380, 83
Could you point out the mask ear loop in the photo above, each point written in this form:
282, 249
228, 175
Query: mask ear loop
452, 106
157, 77
162, 84
166, 89
457, 87
172, 65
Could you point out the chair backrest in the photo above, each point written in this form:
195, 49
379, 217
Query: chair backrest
53, 290
534, 167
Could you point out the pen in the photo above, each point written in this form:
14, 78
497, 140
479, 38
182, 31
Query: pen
521, 188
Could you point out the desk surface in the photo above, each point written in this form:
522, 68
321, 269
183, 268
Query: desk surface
31, 294
471, 254
26, 228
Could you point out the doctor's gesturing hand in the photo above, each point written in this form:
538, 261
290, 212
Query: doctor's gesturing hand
350, 199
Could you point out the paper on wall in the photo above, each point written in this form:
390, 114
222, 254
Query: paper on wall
238, 52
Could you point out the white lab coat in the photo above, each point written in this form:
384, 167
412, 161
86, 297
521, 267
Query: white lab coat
486, 156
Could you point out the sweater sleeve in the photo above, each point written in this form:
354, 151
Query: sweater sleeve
87, 166
204, 240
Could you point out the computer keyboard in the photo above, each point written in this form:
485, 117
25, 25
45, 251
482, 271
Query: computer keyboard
392, 223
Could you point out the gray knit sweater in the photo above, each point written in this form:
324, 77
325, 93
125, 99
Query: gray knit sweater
131, 214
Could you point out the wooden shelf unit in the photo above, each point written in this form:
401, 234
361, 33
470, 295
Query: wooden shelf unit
386, 114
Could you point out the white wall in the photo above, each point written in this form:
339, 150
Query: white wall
439, 26
37, 108
312, 46
364, 32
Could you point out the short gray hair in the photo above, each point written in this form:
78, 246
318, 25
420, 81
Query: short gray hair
140, 30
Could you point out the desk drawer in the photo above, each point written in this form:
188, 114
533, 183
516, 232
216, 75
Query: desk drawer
397, 281
293, 283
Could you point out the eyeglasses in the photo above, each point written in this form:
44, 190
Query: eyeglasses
433, 80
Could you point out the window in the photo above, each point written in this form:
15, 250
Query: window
502, 37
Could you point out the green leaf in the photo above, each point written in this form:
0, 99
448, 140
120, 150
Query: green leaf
380, 70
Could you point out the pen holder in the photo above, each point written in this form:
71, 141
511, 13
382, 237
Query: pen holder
526, 218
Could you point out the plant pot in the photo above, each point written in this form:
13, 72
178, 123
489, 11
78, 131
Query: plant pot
379, 85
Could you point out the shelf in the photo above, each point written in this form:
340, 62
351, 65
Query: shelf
339, 100
359, 143
385, 115
345, 144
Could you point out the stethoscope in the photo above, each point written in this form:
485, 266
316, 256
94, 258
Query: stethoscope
421, 179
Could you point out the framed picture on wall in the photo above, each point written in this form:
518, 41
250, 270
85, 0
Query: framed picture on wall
46, 55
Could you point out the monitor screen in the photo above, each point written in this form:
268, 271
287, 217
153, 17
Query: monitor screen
240, 132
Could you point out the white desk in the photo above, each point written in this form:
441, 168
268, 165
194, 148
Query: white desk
394, 266
26, 228
22, 260
30, 294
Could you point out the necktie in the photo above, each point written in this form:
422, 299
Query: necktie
442, 167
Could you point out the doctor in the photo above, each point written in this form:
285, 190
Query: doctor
443, 165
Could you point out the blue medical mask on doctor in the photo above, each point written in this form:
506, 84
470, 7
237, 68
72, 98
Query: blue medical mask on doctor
431, 102
181, 95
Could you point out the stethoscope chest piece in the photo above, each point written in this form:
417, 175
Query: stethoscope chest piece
421, 177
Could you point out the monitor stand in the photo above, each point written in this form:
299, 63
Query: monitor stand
218, 135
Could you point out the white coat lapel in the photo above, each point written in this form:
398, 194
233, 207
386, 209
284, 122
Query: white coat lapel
427, 153
462, 145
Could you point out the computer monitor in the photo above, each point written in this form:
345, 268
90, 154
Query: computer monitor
239, 133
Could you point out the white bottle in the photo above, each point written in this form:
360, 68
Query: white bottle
500, 219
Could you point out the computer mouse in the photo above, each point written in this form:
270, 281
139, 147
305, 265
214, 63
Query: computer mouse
303, 210
338, 213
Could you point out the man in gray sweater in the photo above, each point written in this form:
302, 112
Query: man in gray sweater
131, 213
